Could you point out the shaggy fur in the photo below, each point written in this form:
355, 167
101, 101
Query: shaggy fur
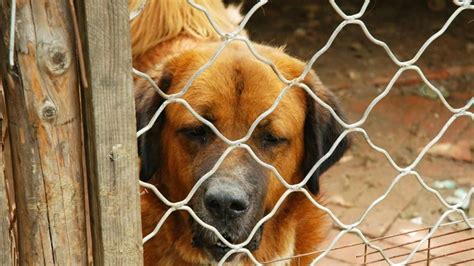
168, 21
171, 41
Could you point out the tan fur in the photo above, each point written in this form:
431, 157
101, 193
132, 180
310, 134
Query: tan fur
171, 36
164, 20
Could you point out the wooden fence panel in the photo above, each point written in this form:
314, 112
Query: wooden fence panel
109, 115
44, 123
6, 245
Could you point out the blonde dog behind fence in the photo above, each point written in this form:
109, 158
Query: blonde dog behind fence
171, 41
175, 25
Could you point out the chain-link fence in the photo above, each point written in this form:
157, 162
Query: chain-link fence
356, 127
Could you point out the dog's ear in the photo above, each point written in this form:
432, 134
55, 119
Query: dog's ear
320, 132
147, 102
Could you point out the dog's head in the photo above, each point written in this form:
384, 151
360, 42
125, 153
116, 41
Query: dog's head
236, 89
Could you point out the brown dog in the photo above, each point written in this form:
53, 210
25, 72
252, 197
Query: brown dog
179, 149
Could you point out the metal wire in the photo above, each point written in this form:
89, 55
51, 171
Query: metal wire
415, 241
377, 240
426, 249
355, 127
134, 13
11, 43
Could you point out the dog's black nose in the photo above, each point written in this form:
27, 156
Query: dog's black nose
226, 201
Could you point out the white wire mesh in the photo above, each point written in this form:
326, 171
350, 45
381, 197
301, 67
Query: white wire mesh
11, 42
227, 38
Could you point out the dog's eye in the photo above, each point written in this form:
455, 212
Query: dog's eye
199, 133
272, 140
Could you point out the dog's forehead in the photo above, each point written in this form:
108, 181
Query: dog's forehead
237, 88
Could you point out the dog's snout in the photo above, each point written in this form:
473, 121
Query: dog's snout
226, 201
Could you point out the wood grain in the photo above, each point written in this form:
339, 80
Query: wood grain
6, 244
109, 115
43, 107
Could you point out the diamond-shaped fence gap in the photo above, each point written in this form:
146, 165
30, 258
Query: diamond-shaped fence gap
375, 217
396, 208
351, 71
447, 62
405, 134
354, 63
438, 136
346, 192
386, 23
311, 23
453, 151
418, 214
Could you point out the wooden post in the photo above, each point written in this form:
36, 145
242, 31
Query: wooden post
6, 245
109, 114
44, 123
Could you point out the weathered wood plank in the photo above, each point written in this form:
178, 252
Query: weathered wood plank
6, 245
8, 230
43, 107
109, 115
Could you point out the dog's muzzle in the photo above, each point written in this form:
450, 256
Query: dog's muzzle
231, 209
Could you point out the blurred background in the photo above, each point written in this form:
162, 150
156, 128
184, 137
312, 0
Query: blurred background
404, 122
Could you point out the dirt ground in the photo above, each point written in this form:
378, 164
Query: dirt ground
357, 70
